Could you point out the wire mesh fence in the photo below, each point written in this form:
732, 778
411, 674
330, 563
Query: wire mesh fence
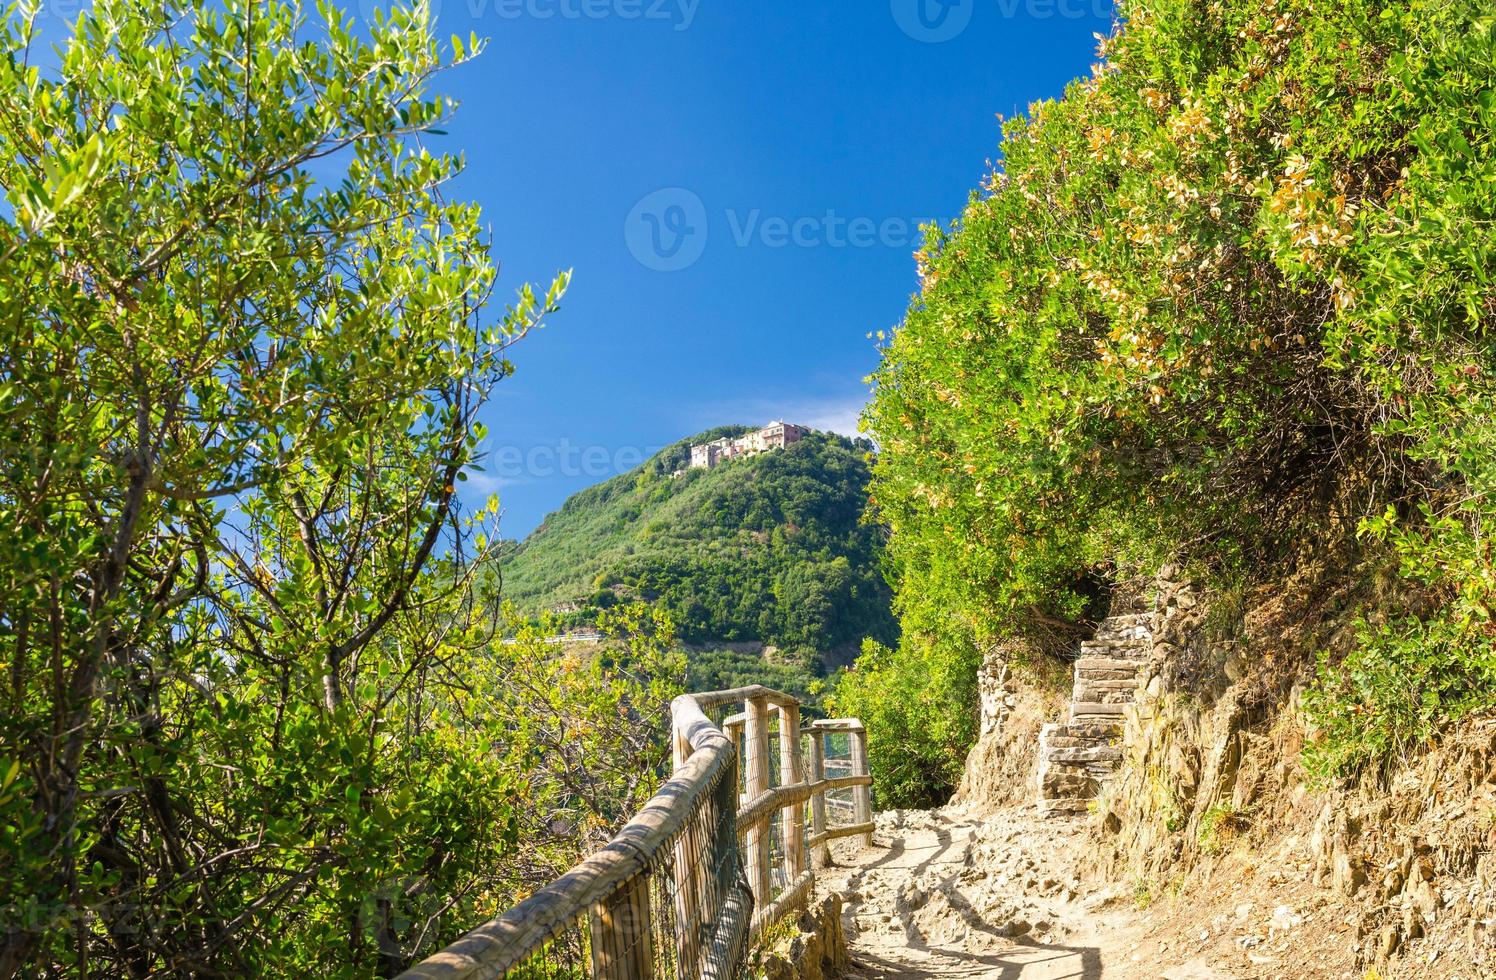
841, 808
847, 799
718, 853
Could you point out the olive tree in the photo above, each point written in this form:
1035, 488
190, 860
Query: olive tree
244, 339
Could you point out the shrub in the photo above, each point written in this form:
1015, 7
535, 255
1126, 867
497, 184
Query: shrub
1399, 687
1233, 293
919, 704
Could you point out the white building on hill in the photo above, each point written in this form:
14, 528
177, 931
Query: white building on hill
775, 435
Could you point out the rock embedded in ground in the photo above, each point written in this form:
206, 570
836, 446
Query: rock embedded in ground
1194, 970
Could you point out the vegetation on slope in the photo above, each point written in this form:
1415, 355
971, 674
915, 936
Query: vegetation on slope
1231, 294
768, 548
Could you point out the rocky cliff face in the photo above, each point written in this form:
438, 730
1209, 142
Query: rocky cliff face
1000, 768
809, 947
1206, 818
1211, 804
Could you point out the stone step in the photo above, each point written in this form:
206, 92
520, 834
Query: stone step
1082, 767
1101, 753
1073, 750
1108, 697
1076, 744
1125, 620
1101, 732
1131, 636
1107, 663
1105, 697
1125, 624
1095, 684
1060, 784
1127, 637
1106, 692
1116, 730
1116, 664
1135, 650
1124, 677
1113, 726
1079, 731
1078, 708
1061, 735
1122, 634
1140, 642
1095, 772
1064, 807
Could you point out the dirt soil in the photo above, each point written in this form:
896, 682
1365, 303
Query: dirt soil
1015, 896
948, 894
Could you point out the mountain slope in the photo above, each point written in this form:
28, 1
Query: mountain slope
770, 548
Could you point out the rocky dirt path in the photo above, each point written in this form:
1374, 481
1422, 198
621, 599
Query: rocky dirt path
949, 894
944, 894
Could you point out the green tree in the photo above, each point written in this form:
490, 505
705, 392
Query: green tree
243, 344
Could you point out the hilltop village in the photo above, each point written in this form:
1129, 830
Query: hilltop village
775, 435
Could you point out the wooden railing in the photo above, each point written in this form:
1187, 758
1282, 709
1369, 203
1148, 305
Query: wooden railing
718, 853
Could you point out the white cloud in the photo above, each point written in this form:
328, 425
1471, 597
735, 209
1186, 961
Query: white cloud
486, 484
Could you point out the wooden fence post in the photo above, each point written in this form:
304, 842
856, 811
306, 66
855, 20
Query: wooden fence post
862, 796
688, 879
734, 730
757, 850
791, 771
621, 948
820, 855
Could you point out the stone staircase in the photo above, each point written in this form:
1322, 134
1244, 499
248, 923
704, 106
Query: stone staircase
1078, 754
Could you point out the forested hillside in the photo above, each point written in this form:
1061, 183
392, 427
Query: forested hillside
1229, 302
769, 548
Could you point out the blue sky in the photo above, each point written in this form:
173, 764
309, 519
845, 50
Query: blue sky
737, 184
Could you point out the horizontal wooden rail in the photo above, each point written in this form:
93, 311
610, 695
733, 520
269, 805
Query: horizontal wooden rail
844, 782
832, 833
737, 695
792, 897
837, 725
777, 798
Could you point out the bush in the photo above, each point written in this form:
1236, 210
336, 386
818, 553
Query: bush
920, 706
252, 721
1402, 684
1230, 295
